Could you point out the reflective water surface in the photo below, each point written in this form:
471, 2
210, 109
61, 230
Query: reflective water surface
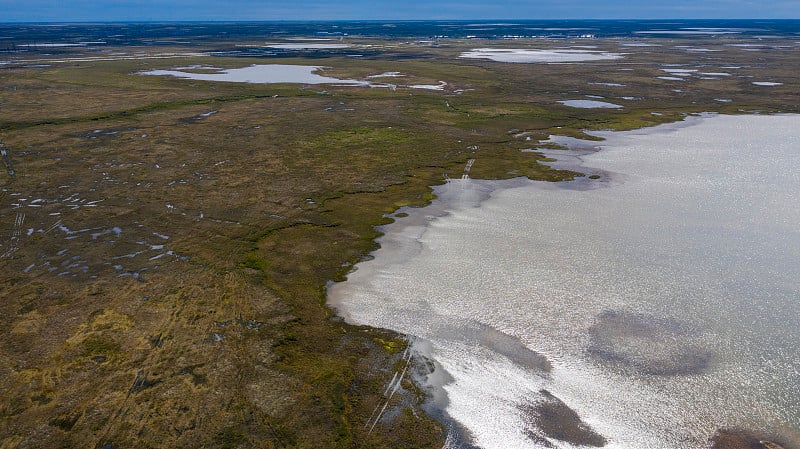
645, 309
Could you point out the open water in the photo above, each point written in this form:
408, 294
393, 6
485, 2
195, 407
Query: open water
660, 302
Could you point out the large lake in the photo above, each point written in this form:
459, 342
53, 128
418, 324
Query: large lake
660, 302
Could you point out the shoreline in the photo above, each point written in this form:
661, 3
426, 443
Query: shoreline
486, 189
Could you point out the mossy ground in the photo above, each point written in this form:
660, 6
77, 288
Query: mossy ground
171, 292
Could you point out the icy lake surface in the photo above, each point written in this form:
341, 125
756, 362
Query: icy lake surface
665, 298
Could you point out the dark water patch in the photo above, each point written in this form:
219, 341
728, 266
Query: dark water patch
307, 53
551, 418
513, 348
361, 53
741, 439
481, 335
648, 345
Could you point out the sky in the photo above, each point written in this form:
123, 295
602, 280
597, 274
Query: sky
213, 10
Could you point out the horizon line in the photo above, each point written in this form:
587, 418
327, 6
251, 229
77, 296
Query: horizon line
155, 21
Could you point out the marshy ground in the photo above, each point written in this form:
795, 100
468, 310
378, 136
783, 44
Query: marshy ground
166, 242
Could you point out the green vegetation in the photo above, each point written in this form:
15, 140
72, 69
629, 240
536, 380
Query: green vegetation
171, 292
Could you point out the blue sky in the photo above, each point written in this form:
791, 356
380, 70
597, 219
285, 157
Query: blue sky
147, 10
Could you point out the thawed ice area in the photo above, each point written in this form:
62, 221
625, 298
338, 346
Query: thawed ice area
660, 304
